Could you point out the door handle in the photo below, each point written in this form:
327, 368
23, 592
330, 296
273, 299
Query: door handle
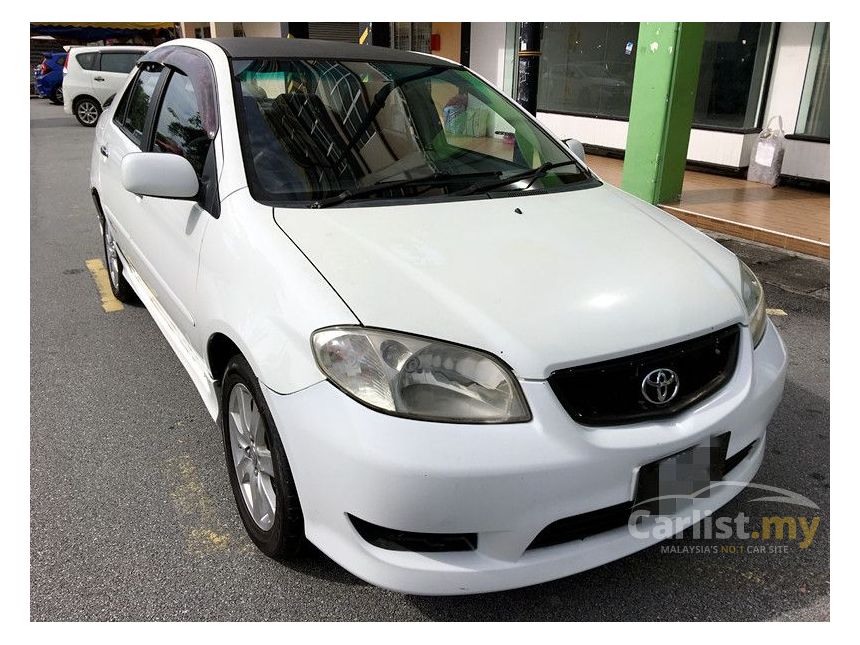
99, 78
104, 151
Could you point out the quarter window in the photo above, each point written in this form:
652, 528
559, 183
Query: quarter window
87, 61
181, 129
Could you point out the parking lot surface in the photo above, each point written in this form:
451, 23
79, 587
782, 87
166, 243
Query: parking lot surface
132, 517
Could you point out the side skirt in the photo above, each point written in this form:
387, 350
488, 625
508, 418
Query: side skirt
191, 361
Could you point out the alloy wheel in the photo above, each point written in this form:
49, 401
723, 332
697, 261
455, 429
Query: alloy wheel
252, 457
88, 113
112, 256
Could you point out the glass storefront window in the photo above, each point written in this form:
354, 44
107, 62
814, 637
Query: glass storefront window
735, 58
813, 119
587, 69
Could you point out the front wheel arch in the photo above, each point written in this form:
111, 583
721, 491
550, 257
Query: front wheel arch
220, 349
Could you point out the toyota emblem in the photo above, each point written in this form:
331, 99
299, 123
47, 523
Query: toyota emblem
660, 386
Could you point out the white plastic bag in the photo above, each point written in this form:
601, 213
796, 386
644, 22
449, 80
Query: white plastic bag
767, 154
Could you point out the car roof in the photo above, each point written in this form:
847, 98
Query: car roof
110, 48
261, 47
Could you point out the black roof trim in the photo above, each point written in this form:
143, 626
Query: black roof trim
260, 47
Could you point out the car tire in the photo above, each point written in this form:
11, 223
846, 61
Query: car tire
120, 287
57, 96
87, 111
257, 465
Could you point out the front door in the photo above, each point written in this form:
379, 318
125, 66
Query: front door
161, 238
170, 231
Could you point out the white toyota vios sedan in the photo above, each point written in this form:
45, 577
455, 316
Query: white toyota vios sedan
439, 347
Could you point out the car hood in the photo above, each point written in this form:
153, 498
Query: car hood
542, 281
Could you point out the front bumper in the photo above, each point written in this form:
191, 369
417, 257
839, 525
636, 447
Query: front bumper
504, 482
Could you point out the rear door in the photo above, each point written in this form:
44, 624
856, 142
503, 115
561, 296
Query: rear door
113, 70
79, 80
123, 135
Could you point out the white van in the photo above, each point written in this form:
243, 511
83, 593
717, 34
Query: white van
91, 75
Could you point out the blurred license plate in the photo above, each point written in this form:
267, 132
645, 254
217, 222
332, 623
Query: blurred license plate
670, 485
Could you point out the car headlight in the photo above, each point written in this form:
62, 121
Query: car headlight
753, 296
419, 378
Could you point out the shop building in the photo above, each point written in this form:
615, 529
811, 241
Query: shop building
750, 72
448, 39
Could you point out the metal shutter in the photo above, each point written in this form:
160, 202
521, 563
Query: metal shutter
342, 31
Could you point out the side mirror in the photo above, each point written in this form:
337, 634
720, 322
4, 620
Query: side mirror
159, 174
576, 148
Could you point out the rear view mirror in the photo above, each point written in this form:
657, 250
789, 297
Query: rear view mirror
576, 148
159, 174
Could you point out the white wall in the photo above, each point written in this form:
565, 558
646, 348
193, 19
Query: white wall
706, 146
789, 72
270, 29
487, 55
806, 159
598, 132
720, 148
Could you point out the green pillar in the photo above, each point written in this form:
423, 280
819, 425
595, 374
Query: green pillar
661, 111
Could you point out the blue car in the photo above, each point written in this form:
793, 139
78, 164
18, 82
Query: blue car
49, 76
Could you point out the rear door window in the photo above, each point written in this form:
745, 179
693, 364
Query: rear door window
119, 62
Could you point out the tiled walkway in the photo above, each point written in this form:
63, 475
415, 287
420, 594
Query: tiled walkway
789, 218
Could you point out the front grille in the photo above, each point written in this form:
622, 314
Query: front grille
582, 526
610, 392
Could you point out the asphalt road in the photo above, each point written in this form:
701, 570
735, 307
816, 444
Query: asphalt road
132, 517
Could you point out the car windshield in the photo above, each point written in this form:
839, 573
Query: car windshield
327, 131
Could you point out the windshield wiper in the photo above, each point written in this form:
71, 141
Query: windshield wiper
437, 178
534, 173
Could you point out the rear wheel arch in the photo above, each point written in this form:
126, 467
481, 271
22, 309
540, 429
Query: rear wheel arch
83, 97
87, 110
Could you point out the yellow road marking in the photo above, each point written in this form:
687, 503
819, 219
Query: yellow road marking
100, 276
775, 312
196, 507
